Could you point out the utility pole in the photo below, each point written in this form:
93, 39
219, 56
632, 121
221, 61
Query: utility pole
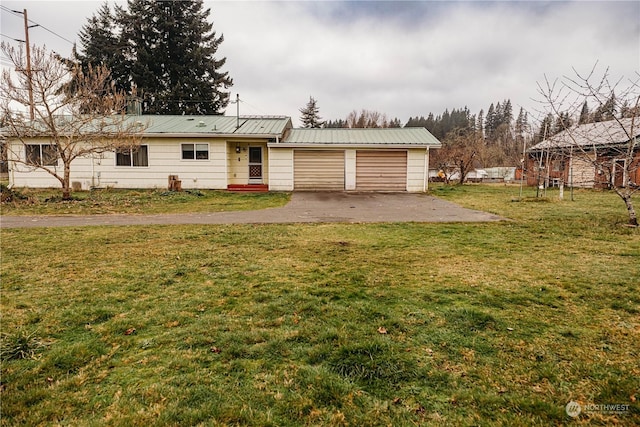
28, 70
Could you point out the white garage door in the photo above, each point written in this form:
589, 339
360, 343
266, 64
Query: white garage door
318, 170
381, 170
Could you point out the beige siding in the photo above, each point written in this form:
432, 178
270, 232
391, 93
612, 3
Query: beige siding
582, 172
378, 170
318, 169
238, 163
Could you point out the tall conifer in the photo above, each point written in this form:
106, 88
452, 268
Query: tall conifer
164, 51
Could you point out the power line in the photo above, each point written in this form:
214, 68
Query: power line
11, 38
35, 24
253, 106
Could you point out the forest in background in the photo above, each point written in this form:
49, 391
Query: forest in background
496, 137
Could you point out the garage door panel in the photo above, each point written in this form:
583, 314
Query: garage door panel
318, 170
381, 170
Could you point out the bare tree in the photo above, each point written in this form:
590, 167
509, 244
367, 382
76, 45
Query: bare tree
367, 119
87, 122
610, 147
459, 153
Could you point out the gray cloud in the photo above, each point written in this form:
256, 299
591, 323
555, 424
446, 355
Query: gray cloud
400, 58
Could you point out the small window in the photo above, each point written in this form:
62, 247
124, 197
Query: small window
41, 154
195, 151
137, 157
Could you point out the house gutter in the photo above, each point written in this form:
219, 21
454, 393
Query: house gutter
349, 145
211, 135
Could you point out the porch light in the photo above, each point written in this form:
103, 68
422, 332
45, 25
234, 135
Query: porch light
237, 148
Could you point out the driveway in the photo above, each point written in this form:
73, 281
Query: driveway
304, 207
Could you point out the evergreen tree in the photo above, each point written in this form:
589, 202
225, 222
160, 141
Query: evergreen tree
490, 123
563, 122
520, 123
102, 46
480, 123
497, 115
309, 114
584, 114
507, 112
335, 124
162, 50
395, 123
546, 128
606, 111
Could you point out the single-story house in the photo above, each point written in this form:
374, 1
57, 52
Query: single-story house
591, 155
256, 152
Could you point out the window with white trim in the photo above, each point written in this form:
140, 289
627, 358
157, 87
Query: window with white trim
195, 151
41, 154
136, 157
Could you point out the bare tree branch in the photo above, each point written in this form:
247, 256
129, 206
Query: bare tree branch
90, 121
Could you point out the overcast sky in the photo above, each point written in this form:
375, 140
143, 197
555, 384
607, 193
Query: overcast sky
399, 58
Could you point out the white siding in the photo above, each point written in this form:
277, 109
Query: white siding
417, 180
350, 170
165, 158
281, 169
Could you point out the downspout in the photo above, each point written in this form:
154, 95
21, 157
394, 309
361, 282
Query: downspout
571, 171
269, 165
12, 178
93, 172
426, 171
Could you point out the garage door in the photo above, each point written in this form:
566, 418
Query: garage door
381, 170
318, 170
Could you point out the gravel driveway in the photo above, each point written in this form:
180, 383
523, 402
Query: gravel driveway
304, 207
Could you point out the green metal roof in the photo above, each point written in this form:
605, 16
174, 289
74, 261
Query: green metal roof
420, 137
214, 125
171, 126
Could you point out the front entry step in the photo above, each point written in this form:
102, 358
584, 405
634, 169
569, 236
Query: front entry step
248, 188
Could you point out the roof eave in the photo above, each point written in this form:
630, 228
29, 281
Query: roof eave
213, 135
349, 145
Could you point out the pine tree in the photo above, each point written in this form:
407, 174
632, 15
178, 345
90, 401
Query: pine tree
309, 114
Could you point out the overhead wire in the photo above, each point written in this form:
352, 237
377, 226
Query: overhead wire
35, 24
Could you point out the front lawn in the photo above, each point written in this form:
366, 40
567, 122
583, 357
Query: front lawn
121, 201
328, 324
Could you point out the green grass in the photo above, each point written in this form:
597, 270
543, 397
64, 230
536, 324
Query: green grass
118, 201
487, 324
